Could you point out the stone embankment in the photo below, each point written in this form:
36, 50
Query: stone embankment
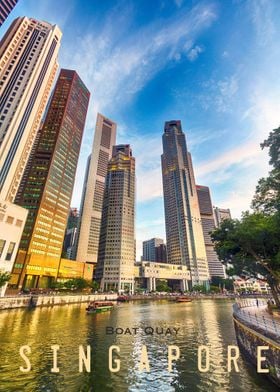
254, 328
25, 301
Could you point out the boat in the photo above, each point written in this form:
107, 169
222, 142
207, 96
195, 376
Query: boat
183, 299
99, 306
123, 298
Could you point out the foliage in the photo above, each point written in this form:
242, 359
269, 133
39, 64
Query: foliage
252, 246
222, 283
214, 289
199, 288
94, 285
162, 286
76, 284
4, 278
267, 196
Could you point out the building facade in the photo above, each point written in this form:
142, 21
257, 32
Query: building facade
149, 249
215, 266
116, 256
221, 214
12, 219
71, 233
6, 7
184, 234
28, 64
93, 190
151, 272
49, 182
161, 255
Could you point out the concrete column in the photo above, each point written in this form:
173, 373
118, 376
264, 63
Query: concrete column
150, 284
154, 284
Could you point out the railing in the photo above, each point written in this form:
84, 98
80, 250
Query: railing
253, 313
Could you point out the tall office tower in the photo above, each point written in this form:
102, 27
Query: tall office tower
185, 242
115, 267
6, 7
48, 184
161, 256
73, 218
93, 190
216, 268
28, 64
149, 249
71, 233
221, 214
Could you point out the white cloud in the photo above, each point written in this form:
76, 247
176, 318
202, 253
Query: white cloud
115, 65
261, 12
193, 54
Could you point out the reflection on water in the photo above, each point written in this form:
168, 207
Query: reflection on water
202, 322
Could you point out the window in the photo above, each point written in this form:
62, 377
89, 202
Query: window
10, 220
2, 245
19, 223
10, 250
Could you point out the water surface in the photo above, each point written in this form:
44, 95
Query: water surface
202, 322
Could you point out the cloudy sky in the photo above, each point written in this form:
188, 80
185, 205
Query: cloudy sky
212, 64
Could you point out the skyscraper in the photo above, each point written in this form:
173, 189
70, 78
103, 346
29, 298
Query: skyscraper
221, 214
71, 233
93, 190
49, 180
185, 242
115, 268
6, 7
28, 64
216, 268
149, 249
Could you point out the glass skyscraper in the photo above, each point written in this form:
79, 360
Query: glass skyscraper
47, 185
184, 235
215, 266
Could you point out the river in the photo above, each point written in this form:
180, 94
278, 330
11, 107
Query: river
202, 322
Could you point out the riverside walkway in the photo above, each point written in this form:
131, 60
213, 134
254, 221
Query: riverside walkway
253, 312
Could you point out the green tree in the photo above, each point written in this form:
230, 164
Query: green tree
76, 284
162, 286
4, 278
252, 246
267, 196
222, 283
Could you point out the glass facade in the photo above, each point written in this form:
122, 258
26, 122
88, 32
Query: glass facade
184, 235
46, 188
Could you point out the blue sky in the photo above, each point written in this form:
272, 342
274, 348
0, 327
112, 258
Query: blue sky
212, 64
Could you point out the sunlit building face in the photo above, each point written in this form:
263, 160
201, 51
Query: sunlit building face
184, 235
46, 189
28, 64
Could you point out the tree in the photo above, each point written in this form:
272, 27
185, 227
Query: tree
4, 278
76, 284
267, 196
222, 283
162, 286
252, 246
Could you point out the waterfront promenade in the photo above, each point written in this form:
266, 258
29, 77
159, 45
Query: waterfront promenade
255, 328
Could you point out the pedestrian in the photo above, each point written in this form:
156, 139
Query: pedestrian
257, 301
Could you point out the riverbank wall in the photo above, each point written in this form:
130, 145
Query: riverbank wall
255, 331
26, 301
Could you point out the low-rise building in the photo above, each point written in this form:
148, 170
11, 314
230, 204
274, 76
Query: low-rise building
251, 285
12, 220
